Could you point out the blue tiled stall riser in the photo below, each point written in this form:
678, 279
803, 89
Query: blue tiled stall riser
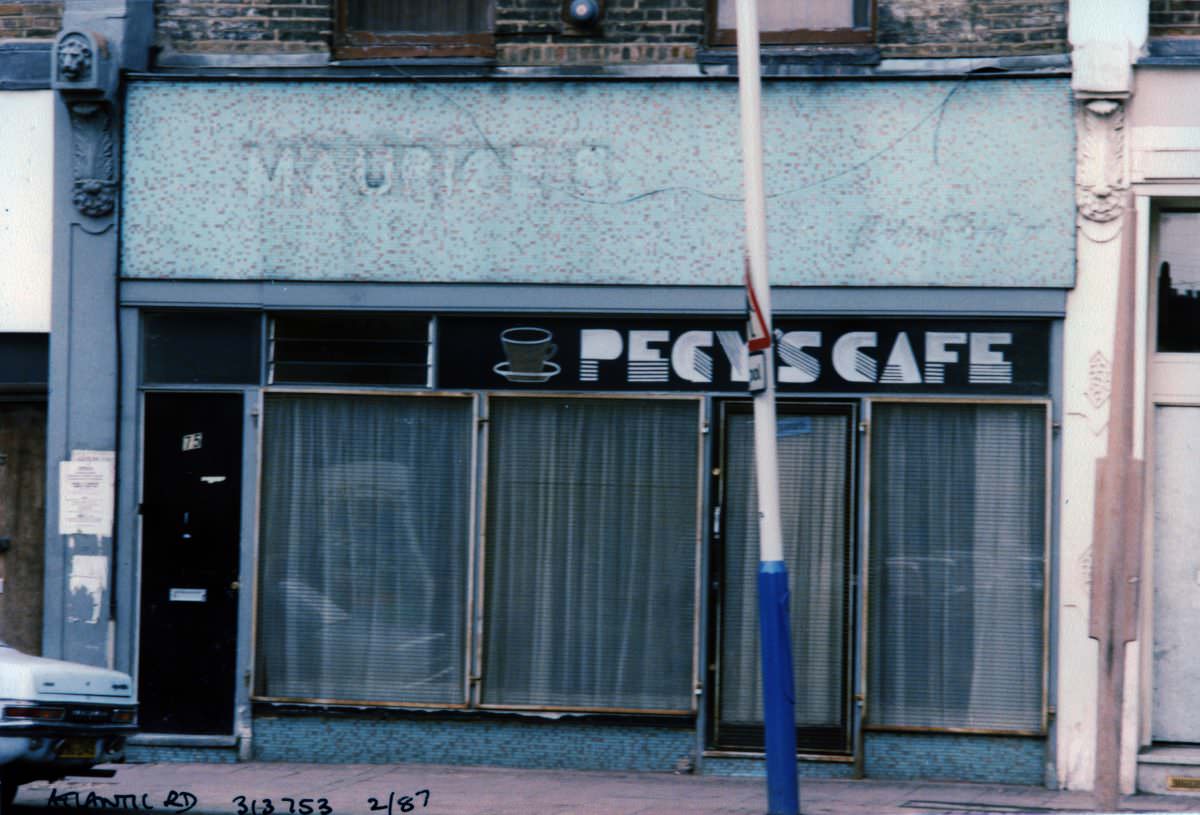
155, 754
503, 742
956, 757
757, 768
929, 183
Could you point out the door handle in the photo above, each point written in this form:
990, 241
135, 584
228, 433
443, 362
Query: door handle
235, 585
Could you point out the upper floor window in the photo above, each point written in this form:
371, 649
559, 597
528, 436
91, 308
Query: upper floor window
789, 22
1178, 281
413, 28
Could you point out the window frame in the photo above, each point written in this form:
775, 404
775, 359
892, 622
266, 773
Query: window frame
721, 37
355, 44
865, 554
468, 609
483, 545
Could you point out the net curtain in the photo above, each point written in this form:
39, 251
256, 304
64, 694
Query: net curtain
590, 553
365, 514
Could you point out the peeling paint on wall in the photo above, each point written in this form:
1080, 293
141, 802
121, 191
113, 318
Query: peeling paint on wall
87, 582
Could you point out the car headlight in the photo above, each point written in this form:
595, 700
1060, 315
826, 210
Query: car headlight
36, 713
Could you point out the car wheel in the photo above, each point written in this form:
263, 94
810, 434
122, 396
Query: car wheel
8, 792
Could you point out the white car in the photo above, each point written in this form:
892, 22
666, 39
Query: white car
58, 719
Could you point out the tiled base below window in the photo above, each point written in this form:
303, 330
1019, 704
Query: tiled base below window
572, 744
757, 768
956, 757
502, 742
156, 753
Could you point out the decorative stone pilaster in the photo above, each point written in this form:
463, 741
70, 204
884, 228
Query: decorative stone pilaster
1101, 177
93, 158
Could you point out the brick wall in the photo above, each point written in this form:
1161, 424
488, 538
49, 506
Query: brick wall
241, 26
977, 28
1174, 18
29, 20
531, 32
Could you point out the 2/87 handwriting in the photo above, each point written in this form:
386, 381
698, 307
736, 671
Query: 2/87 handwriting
401, 803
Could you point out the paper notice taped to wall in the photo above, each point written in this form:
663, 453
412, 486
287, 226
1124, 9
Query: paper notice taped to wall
85, 490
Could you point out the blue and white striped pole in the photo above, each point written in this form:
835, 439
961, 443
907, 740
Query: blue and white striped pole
783, 793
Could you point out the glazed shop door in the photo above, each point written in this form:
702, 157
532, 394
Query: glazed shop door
815, 465
190, 525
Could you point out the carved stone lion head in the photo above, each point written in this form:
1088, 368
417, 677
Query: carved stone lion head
74, 58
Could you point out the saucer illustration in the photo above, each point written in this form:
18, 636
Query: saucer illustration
503, 369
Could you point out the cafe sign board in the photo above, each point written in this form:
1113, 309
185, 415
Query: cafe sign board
817, 355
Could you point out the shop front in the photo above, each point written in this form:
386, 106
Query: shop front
535, 532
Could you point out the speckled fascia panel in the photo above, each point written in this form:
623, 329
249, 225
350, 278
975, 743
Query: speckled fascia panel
927, 183
956, 757
501, 742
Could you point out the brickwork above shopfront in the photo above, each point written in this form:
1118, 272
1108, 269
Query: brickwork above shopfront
532, 32
30, 20
959, 28
1174, 18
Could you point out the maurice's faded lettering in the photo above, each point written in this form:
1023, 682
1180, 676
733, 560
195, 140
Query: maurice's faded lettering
424, 172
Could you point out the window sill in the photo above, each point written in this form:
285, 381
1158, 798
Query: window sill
264, 707
759, 755
180, 740
773, 56
1181, 51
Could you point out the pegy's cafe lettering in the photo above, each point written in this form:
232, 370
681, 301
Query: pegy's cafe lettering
831, 355
799, 356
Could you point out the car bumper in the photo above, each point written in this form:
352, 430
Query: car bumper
33, 745
62, 750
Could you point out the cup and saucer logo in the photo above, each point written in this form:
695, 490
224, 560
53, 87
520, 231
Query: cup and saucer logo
528, 351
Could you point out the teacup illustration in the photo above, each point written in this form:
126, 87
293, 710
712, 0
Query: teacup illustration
528, 351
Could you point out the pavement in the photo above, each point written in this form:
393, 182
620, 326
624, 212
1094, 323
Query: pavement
397, 789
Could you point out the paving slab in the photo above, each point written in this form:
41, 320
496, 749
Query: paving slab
415, 789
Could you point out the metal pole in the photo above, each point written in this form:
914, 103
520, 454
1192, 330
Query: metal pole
783, 794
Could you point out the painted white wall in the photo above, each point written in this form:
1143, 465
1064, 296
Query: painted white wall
1106, 36
26, 207
1087, 333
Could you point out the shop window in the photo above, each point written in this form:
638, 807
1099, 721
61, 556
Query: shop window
382, 28
201, 347
349, 349
1179, 282
787, 22
956, 583
364, 550
590, 555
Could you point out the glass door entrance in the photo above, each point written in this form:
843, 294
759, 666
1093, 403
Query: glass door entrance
816, 454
